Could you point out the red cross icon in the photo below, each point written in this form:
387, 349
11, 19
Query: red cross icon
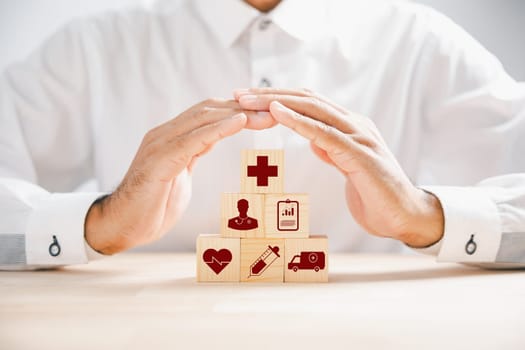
262, 171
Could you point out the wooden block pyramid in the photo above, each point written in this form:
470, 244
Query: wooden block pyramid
264, 231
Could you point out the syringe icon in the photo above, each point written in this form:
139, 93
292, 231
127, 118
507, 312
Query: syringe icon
264, 261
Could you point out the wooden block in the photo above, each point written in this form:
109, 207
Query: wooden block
218, 259
242, 215
306, 259
262, 260
286, 215
262, 171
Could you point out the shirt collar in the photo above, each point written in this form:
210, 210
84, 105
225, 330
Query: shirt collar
227, 19
304, 20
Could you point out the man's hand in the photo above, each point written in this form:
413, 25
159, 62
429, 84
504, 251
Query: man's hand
157, 187
379, 194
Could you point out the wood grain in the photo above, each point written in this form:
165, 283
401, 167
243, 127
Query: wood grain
310, 253
229, 211
275, 158
275, 205
137, 301
231, 271
252, 249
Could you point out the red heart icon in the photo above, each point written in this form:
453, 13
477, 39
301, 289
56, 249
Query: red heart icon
217, 260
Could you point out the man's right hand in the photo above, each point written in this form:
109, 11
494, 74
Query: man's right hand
157, 187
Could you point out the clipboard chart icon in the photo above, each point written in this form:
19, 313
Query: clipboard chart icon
288, 215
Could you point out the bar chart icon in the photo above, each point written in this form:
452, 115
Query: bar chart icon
287, 215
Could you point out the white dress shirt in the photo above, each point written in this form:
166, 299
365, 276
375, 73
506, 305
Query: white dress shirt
74, 113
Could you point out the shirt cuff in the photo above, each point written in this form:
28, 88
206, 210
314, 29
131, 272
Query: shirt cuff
472, 231
55, 230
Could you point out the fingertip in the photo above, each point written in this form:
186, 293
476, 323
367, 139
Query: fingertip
260, 121
240, 116
247, 99
237, 93
241, 119
233, 125
277, 105
277, 109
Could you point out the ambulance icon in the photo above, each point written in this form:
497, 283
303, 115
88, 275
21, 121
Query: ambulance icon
308, 261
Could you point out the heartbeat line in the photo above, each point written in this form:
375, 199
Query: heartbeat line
214, 260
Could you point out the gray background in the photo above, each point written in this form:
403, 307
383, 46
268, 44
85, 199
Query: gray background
497, 24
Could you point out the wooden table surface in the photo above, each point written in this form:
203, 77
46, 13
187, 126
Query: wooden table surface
151, 301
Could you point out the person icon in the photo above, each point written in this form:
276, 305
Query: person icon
243, 221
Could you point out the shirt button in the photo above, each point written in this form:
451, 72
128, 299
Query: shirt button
264, 24
54, 248
471, 246
265, 83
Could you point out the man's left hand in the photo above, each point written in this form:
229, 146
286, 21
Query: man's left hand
379, 194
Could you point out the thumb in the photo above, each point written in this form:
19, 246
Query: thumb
321, 153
